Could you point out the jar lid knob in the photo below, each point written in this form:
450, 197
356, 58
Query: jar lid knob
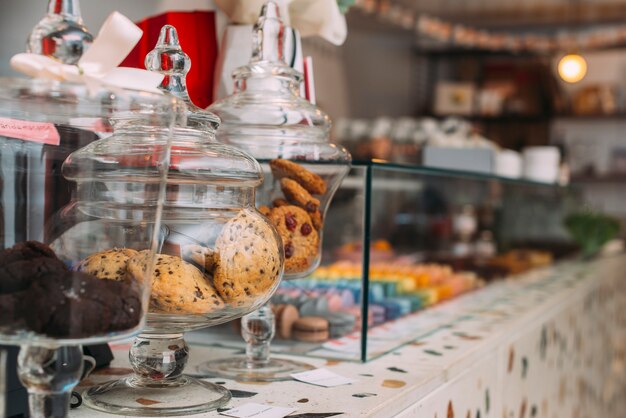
169, 59
268, 35
61, 33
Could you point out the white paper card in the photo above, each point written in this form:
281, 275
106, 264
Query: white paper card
258, 410
322, 377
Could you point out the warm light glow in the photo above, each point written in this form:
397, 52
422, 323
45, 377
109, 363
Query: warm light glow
572, 68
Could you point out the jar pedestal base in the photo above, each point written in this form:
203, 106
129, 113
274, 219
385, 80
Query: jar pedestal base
238, 368
132, 396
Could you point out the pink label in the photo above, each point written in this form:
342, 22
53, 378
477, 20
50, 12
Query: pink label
44, 133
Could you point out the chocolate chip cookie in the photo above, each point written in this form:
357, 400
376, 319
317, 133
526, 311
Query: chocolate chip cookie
300, 239
202, 257
110, 264
178, 287
249, 258
310, 181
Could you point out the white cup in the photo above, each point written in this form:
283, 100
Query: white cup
542, 163
508, 164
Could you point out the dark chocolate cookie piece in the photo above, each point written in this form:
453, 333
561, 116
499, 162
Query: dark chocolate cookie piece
77, 305
26, 250
9, 309
18, 275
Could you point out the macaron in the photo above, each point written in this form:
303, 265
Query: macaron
404, 305
316, 306
347, 298
340, 324
311, 329
286, 316
334, 302
355, 311
393, 310
378, 313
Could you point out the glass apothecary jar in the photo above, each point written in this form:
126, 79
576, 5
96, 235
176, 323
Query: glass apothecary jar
219, 258
59, 220
289, 136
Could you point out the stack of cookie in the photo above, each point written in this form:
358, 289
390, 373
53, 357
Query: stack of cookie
193, 279
297, 216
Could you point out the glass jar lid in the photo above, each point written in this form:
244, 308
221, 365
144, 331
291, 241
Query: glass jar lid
72, 104
196, 157
169, 59
266, 114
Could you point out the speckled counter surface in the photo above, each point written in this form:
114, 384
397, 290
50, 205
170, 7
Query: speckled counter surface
551, 343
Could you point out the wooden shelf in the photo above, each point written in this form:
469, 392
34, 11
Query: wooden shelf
495, 119
607, 179
599, 117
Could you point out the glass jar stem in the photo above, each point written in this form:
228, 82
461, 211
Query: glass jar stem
257, 329
159, 359
53, 405
49, 375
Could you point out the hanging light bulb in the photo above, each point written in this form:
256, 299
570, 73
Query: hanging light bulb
572, 68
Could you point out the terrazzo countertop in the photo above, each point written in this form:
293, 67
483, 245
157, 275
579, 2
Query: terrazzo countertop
480, 324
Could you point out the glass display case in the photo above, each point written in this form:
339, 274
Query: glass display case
401, 239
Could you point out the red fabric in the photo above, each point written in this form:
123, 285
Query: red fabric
198, 38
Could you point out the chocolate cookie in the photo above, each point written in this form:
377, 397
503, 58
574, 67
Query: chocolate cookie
298, 195
19, 274
178, 287
300, 239
110, 264
202, 257
10, 308
249, 258
310, 181
77, 305
27, 250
